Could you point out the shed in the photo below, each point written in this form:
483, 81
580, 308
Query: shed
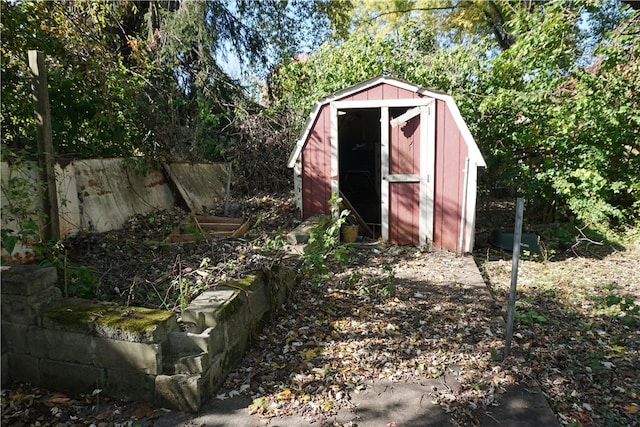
401, 154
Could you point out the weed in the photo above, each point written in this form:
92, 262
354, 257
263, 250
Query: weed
529, 316
324, 242
272, 244
353, 280
622, 307
389, 288
73, 280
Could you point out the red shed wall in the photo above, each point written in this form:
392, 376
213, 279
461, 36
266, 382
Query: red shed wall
316, 167
381, 91
404, 213
404, 148
451, 152
404, 197
316, 155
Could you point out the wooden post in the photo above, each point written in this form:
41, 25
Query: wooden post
42, 113
517, 237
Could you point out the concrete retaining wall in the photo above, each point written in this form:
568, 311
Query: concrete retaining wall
131, 352
102, 194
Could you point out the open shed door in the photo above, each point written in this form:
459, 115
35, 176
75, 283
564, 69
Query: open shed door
407, 174
395, 165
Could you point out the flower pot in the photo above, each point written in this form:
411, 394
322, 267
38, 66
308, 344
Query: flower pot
349, 233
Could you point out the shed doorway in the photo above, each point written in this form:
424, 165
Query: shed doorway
359, 156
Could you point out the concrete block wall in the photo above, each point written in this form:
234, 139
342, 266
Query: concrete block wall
132, 352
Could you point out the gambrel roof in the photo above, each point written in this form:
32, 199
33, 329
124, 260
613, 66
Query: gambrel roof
474, 153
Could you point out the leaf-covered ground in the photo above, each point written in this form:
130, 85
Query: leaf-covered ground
398, 313
578, 330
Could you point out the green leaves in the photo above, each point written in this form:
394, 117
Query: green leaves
324, 243
561, 133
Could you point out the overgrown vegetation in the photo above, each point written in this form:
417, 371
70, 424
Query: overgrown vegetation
547, 89
324, 243
148, 78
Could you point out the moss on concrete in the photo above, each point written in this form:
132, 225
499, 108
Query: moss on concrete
88, 317
134, 319
230, 307
76, 316
247, 281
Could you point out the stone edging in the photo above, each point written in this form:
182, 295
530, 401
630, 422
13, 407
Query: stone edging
132, 352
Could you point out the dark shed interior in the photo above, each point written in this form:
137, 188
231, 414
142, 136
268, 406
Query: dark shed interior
359, 161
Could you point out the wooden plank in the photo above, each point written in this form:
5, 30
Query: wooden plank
194, 218
410, 114
190, 237
44, 137
359, 219
178, 186
219, 228
242, 229
204, 218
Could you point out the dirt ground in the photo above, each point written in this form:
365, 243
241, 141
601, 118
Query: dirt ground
399, 313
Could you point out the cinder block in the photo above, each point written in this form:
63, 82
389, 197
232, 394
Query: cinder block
15, 337
115, 354
71, 377
131, 385
236, 328
136, 324
179, 342
216, 374
280, 280
205, 309
257, 298
217, 340
211, 340
24, 368
106, 320
181, 392
186, 364
300, 234
63, 346
20, 309
27, 280
74, 315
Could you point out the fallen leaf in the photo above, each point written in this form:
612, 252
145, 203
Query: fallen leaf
143, 411
104, 415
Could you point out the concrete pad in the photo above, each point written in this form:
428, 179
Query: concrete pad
27, 280
382, 403
300, 234
385, 402
521, 406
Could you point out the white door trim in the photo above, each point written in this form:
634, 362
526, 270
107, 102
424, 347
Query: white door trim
384, 172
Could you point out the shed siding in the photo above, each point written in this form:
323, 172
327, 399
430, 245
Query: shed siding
316, 167
381, 91
403, 192
404, 218
393, 92
404, 153
451, 152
